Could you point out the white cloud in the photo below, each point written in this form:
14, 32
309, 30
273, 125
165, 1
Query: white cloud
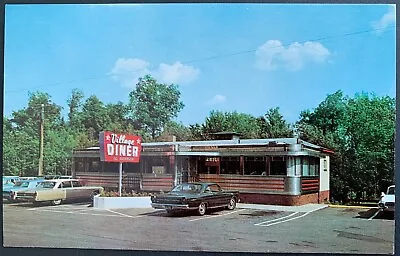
273, 55
128, 71
218, 99
388, 19
176, 73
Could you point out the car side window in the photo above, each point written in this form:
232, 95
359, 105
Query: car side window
214, 188
66, 184
76, 184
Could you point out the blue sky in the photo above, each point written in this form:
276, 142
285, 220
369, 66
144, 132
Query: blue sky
103, 49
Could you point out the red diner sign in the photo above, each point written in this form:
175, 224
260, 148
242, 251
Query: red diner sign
122, 148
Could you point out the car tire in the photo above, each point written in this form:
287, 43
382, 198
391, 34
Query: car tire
171, 212
56, 202
201, 210
232, 204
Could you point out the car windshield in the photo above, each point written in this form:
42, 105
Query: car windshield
391, 191
46, 184
24, 184
187, 188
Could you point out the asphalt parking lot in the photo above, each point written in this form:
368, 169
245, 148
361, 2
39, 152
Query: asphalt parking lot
332, 230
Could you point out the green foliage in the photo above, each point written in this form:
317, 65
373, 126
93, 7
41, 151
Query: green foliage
272, 125
219, 121
154, 104
361, 132
180, 131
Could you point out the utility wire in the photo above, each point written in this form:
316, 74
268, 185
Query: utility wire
215, 57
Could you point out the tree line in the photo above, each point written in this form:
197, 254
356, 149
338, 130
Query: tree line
360, 130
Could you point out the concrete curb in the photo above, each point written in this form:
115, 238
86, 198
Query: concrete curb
352, 206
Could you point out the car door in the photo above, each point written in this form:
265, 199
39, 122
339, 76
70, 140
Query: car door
219, 197
79, 191
69, 191
208, 197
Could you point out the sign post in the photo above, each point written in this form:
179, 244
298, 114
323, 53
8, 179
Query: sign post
120, 179
120, 148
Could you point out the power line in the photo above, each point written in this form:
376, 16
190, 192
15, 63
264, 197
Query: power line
213, 57
286, 45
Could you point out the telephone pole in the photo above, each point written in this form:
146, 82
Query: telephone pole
41, 141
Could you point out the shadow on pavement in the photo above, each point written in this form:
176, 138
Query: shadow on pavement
182, 214
366, 214
43, 204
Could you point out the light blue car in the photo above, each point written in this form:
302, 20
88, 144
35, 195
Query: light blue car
9, 192
9, 181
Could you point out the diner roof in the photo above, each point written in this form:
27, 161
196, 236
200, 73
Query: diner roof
236, 142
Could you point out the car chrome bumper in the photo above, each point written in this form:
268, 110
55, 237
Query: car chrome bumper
386, 208
170, 206
25, 199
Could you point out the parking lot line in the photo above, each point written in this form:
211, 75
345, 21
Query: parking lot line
294, 218
373, 216
126, 215
83, 213
219, 215
269, 221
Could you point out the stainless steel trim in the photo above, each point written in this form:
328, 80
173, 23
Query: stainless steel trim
172, 206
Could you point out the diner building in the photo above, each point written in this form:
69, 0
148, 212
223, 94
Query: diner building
281, 171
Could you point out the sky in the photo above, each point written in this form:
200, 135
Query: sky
228, 57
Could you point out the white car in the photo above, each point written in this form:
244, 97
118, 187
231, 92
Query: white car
387, 202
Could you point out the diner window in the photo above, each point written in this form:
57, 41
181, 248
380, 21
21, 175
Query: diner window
310, 166
298, 166
79, 164
278, 166
230, 165
94, 166
254, 165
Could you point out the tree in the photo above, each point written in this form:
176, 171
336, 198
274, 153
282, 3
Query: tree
154, 104
94, 117
29, 117
361, 132
219, 121
75, 104
272, 125
179, 130
370, 131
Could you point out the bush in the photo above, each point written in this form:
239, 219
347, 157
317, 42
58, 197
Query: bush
113, 193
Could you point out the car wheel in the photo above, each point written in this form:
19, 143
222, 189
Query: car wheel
56, 202
232, 204
170, 212
201, 210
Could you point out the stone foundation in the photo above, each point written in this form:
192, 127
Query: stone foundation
288, 200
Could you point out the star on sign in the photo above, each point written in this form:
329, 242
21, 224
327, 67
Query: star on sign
138, 141
108, 137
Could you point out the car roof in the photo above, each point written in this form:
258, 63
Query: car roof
60, 180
